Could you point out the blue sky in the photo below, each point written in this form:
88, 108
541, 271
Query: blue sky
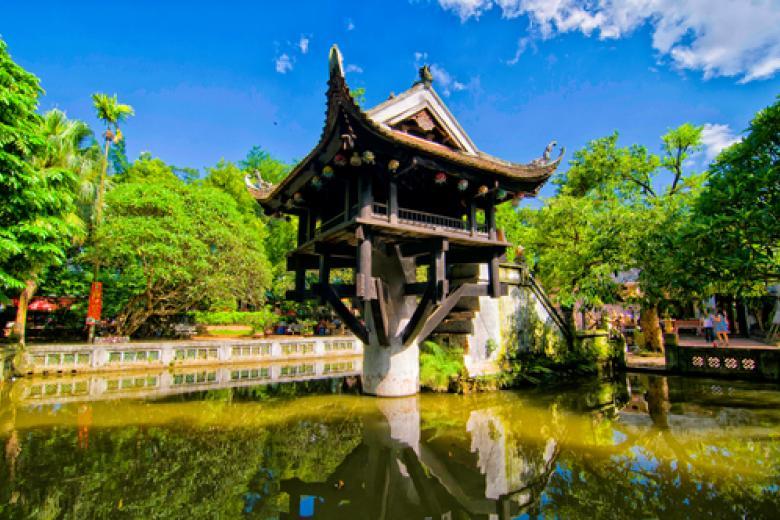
209, 80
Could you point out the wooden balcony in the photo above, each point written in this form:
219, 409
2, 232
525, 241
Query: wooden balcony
407, 222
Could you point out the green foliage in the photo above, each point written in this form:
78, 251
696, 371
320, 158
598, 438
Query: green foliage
170, 246
258, 160
359, 95
440, 366
259, 320
35, 203
735, 230
110, 110
609, 217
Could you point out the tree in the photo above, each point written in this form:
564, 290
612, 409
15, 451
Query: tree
169, 246
610, 216
37, 202
735, 227
280, 238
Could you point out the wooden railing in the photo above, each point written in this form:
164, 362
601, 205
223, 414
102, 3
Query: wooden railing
427, 220
409, 217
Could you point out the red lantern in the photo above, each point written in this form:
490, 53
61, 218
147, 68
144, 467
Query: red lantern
340, 160
441, 178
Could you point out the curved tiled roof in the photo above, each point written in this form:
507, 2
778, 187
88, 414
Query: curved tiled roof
339, 101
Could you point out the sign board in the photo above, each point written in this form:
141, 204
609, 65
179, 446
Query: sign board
95, 302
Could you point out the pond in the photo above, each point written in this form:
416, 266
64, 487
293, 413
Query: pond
640, 447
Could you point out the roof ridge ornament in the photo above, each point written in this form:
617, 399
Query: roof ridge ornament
335, 62
426, 77
260, 187
546, 158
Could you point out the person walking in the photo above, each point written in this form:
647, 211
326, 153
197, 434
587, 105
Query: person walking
722, 329
706, 324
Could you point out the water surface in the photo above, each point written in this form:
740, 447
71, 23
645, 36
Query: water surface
642, 447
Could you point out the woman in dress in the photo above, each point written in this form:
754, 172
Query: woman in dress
722, 329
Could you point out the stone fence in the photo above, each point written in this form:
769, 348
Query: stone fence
83, 357
160, 382
740, 362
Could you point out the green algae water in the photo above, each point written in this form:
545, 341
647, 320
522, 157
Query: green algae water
640, 447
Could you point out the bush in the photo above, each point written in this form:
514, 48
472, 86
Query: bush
439, 366
259, 320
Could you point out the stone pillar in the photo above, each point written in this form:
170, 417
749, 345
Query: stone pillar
392, 370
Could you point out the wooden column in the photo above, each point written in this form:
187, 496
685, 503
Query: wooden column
473, 217
494, 282
490, 216
346, 199
300, 278
438, 270
365, 196
303, 228
311, 223
392, 202
364, 286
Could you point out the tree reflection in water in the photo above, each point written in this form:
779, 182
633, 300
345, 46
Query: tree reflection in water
644, 447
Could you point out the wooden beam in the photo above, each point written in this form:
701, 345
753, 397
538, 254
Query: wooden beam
420, 315
341, 250
424, 247
313, 262
379, 313
343, 290
352, 323
470, 256
415, 288
441, 312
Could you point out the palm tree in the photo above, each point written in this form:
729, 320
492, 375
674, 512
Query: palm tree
111, 112
69, 146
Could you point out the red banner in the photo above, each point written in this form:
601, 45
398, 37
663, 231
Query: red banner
95, 302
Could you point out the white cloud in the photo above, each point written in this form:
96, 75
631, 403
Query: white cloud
718, 37
284, 64
715, 138
303, 44
350, 24
354, 68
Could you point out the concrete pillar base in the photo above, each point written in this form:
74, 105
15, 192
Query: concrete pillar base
392, 371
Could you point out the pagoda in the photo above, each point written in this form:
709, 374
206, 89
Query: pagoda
400, 196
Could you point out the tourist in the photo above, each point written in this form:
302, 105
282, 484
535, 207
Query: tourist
721, 325
706, 324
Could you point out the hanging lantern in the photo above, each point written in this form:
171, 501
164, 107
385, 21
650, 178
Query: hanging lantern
327, 172
393, 165
501, 193
316, 182
483, 190
463, 185
297, 197
340, 160
289, 204
441, 178
355, 160
368, 157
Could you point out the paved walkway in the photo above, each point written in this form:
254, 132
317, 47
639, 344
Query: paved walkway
698, 341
